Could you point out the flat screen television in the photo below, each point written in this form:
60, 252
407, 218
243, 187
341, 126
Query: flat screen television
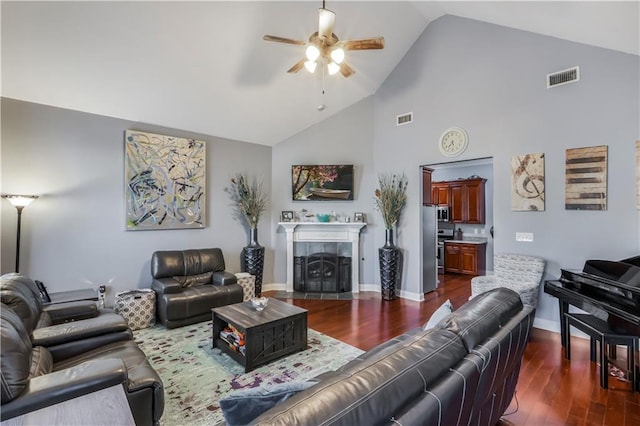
331, 182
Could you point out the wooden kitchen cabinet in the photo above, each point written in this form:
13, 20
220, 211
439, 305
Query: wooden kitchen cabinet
452, 257
475, 200
427, 199
467, 200
465, 258
457, 204
465, 197
440, 193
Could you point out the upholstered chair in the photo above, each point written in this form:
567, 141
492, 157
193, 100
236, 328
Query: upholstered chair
518, 272
33, 379
65, 329
188, 283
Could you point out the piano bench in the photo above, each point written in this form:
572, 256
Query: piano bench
601, 331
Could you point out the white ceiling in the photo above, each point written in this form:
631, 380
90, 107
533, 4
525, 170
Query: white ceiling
203, 66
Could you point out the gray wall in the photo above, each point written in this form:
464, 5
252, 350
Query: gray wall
490, 80
74, 235
344, 138
485, 78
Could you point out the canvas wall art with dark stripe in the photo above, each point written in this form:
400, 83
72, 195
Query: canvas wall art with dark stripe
586, 178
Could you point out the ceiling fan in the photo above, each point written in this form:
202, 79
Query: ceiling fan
325, 47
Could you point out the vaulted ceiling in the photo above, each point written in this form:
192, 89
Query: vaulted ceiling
203, 66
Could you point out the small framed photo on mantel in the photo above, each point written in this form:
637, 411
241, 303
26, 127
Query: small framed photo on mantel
287, 216
358, 217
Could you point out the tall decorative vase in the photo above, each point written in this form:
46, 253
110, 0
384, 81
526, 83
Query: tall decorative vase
390, 266
253, 259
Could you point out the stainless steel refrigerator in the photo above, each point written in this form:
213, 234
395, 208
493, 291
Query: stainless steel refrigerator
429, 249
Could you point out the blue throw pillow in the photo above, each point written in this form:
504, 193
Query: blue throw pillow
445, 309
241, 407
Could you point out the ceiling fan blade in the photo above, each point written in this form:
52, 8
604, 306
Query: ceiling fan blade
326, 21
298, 66
284, 40
363, 44
346, 70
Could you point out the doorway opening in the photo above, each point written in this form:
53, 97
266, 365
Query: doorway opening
464, 189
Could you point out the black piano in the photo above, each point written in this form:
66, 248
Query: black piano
611, 288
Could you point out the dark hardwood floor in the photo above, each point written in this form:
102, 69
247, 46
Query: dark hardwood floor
550, 391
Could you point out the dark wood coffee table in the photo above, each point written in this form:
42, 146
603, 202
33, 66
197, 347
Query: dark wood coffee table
279, 330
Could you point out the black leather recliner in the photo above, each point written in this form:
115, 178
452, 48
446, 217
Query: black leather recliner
66, 329
189, 283
32, 379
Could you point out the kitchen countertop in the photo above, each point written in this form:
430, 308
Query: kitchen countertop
468, 241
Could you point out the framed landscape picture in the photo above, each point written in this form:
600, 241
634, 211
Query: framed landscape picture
165, 181
322, 182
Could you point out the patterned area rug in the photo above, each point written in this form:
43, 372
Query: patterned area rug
195, 376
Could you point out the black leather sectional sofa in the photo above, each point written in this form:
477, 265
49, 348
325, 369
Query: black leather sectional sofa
464, 371
51, 354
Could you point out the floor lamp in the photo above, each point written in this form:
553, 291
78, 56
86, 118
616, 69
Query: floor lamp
19, 202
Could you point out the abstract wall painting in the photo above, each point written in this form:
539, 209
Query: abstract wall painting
527, 182
165, 181
638, 175
586, 178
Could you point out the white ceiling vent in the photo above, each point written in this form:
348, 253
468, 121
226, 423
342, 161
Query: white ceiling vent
404, 119
559, 78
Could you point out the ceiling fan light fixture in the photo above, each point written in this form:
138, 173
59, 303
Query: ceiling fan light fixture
333, 68
312, 53
326, 21
324, 47
311, 66
337, 55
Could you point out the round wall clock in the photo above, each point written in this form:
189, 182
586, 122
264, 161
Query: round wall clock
453, 141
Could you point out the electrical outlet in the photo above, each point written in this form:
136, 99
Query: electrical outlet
524, 236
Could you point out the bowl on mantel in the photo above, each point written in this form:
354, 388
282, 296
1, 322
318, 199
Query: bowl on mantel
323, 217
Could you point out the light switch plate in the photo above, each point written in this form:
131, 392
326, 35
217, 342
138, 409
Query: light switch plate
524, 236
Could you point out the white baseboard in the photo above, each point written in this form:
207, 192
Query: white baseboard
274, 287
418, 297
545, 324
554, 326
375, 288
370, 287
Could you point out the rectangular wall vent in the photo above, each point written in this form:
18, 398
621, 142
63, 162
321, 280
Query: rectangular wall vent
404, 119
559, 78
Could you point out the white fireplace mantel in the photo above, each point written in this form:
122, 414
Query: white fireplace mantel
310, 232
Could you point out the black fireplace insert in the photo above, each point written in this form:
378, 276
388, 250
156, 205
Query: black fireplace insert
322, 273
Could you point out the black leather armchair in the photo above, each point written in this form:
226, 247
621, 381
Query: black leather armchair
32, 379
66, 329
189, 283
